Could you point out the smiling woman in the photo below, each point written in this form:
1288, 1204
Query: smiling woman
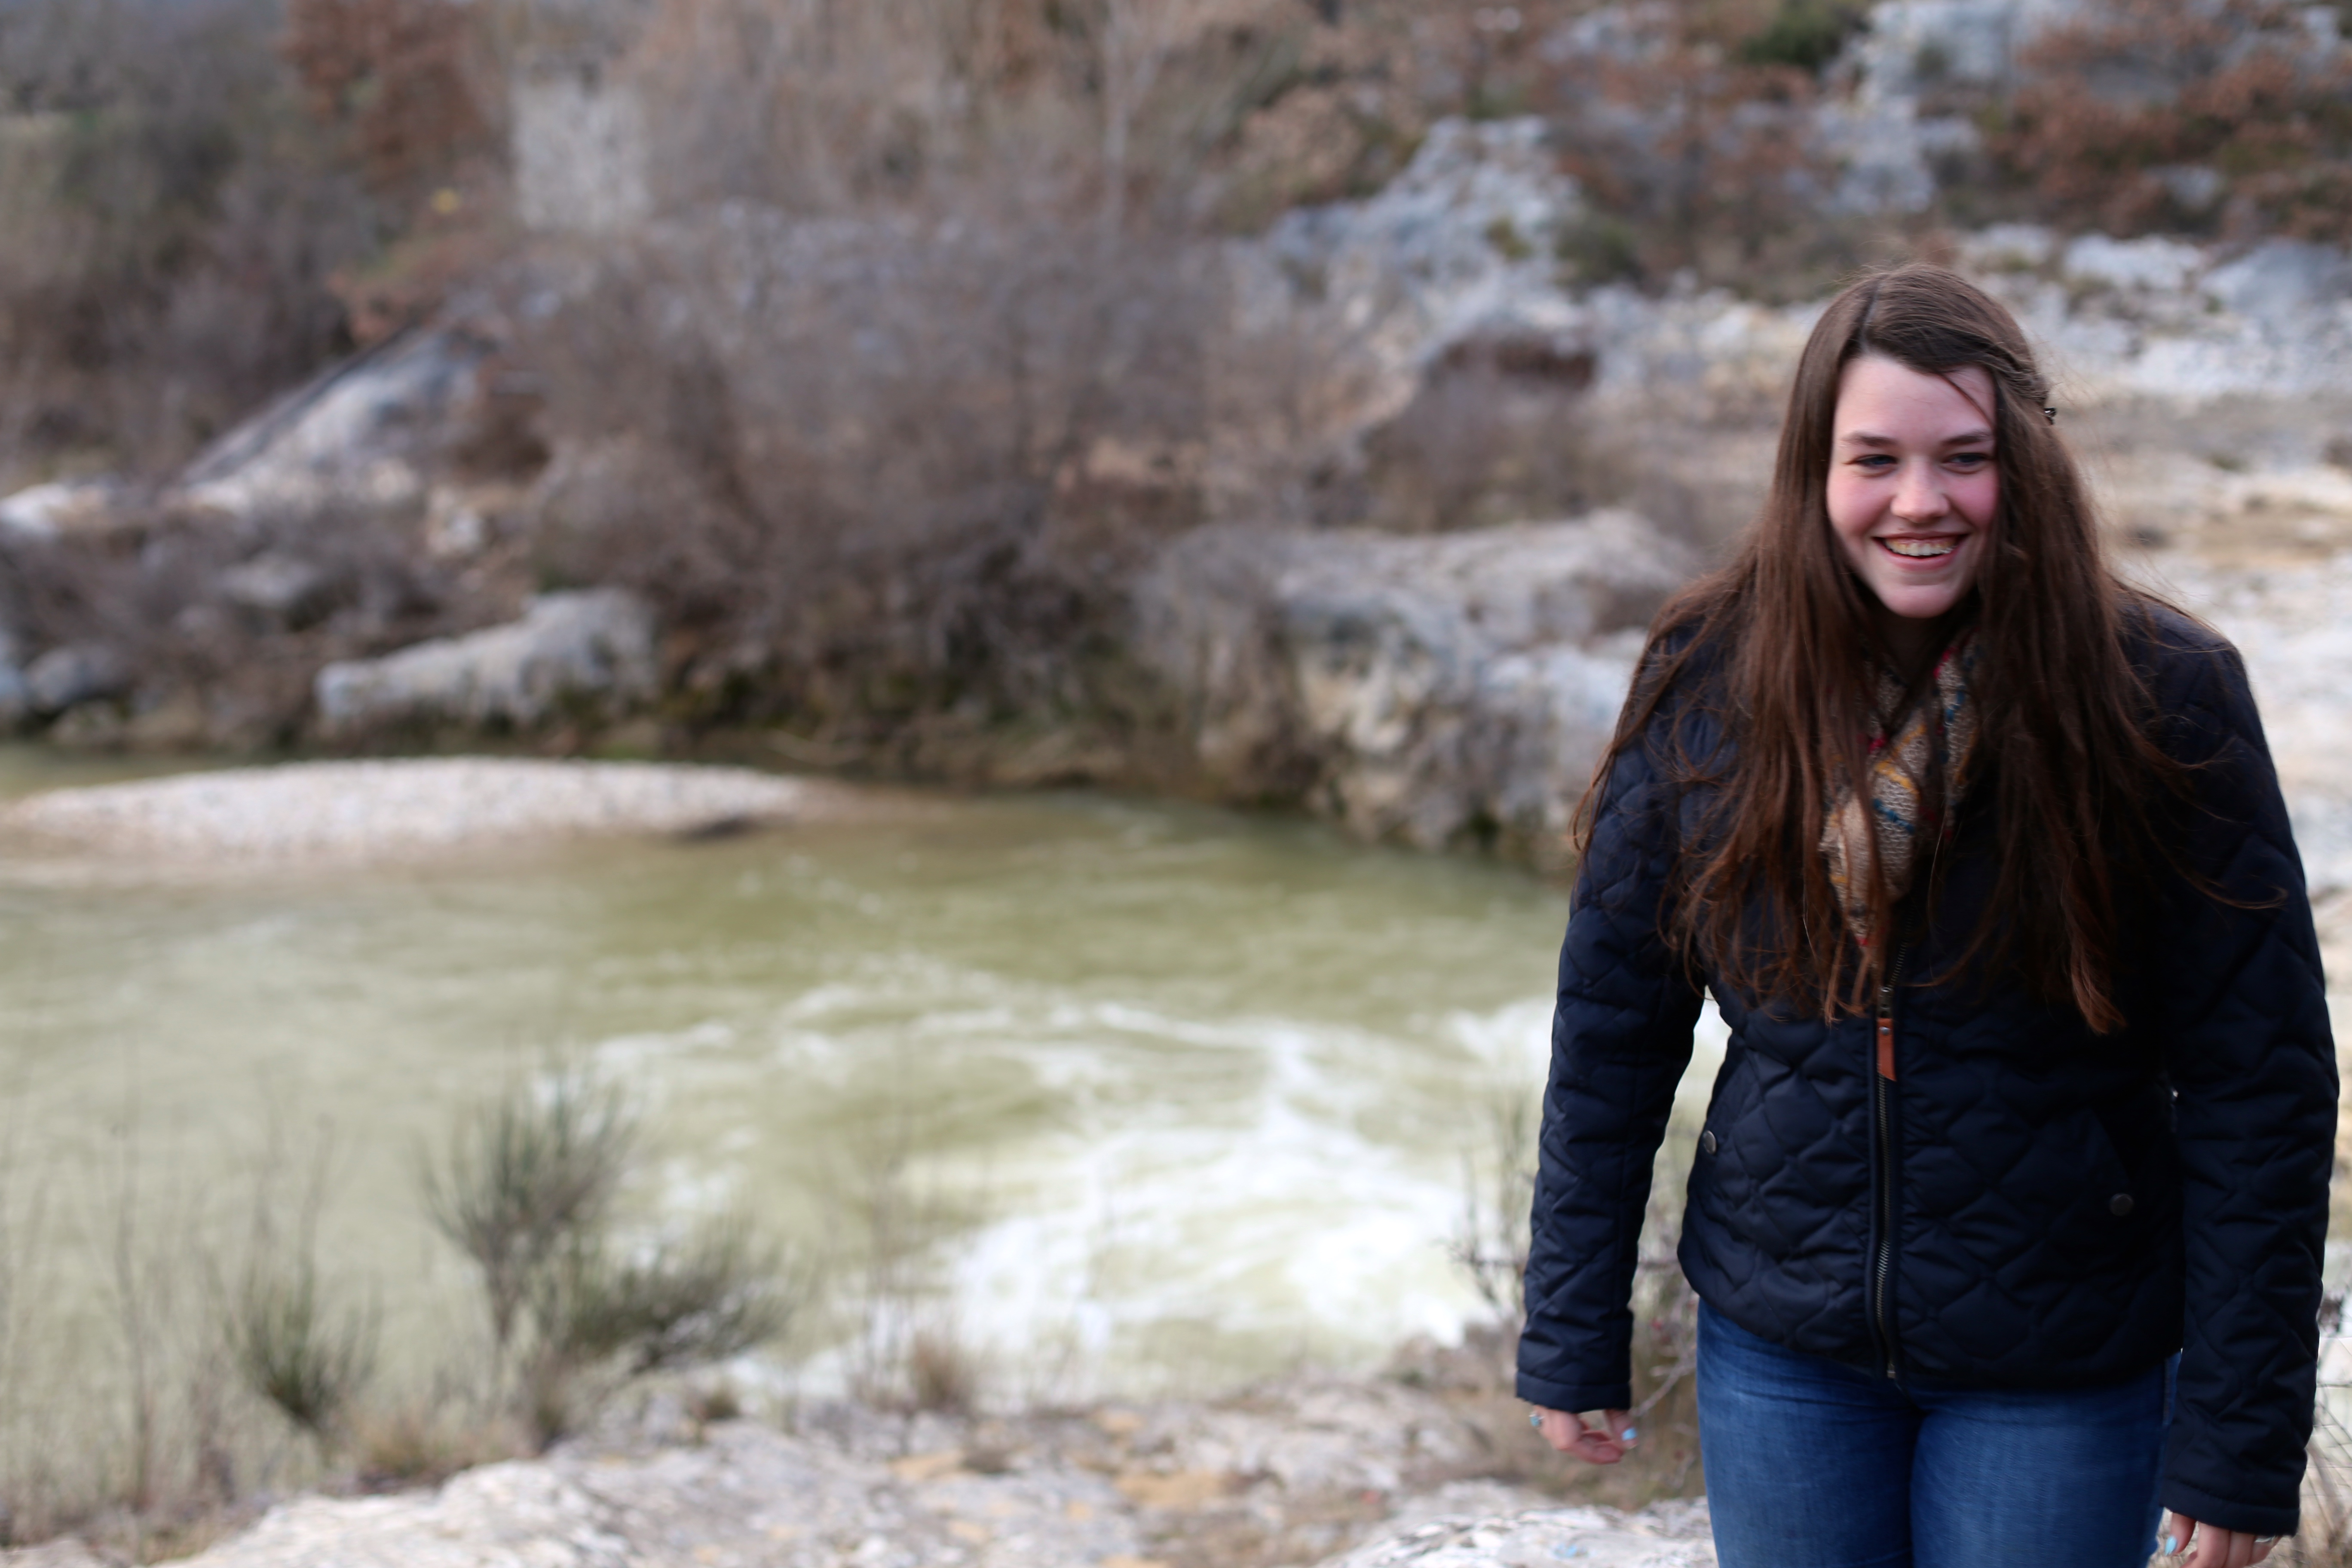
2006, 1216
1911, 489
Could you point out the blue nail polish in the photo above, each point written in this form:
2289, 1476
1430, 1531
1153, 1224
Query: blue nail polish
1631, 1433
2171, 1544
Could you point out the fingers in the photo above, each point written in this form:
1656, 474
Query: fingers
2197, 1546
1602, 1444
2204, 1546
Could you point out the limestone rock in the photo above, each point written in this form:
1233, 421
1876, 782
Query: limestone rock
365, 434
66, 677
1347, 1473
751, 1496
498, 1514
1461, 243
1879, 131
281, 591
15, 692
54, 1555
580, 147
2282, 279
591, 651
2151, 264
1425, 690
1664, 1535
60, 508
746, 1495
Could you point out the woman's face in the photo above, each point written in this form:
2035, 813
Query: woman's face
1912, 486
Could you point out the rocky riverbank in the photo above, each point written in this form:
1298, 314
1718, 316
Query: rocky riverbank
1323, 612
1304, 1470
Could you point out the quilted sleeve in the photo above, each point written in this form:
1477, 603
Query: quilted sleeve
1621, 1036
2253, 1066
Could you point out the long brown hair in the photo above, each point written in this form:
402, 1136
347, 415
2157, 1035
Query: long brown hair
1787, 637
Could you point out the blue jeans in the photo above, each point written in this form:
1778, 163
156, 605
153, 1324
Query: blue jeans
1813, 1464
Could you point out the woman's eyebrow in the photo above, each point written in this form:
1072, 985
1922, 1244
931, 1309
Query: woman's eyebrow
1873, 438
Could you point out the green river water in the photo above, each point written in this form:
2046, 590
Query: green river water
1190, 1093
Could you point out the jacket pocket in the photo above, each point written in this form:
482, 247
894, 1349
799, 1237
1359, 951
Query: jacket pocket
2102, 1212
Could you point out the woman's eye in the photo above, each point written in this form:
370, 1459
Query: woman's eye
1969, 460
1874, 462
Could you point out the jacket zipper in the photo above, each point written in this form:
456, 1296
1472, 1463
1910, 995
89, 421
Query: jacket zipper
1882, 1099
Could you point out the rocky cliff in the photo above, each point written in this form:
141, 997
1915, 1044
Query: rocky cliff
1434, 690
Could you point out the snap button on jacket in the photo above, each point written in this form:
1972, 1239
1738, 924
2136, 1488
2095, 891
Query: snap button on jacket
2070, 1208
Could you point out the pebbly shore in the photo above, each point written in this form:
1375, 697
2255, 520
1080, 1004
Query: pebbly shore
339, 813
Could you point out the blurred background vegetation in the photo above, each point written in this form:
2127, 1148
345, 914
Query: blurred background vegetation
878, 344
206, 199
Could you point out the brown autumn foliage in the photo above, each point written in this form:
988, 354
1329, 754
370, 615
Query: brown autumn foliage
914, 374
2162, 116
399, 76
407, 89
168, 222
1689, 126
833, 104
905, 473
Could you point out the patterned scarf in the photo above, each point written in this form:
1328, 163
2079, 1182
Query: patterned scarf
1931, 741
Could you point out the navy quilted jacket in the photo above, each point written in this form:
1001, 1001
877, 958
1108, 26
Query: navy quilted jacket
2043, 1206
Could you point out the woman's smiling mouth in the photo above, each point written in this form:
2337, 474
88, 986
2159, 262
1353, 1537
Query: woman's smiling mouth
1922, 548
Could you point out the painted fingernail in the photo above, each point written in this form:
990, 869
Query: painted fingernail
2171, 1544
1631, 1433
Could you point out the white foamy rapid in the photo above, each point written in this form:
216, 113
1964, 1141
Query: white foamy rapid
1194, 1196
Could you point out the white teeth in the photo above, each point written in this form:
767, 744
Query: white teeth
1919, 549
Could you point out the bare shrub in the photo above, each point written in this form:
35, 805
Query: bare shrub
2326, 1538
423, 1439
1665, 1342
705, 1296
2114, 109
1805, 34
1490, 1245
524, 1177
825, 106
1491, 435
409, 94
1694, 140
295, 1350
888, 468
1489, 1248
526, 1191
905, 1347
941, 1371
169, 232
402, 78
934, 349
121, 1415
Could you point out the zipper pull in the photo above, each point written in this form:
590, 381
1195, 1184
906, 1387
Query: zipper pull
1886, 1021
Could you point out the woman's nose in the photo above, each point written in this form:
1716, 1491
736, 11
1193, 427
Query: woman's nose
1919, 497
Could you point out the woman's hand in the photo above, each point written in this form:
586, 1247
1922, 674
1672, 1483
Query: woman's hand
2203, 1546
1605, 1444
